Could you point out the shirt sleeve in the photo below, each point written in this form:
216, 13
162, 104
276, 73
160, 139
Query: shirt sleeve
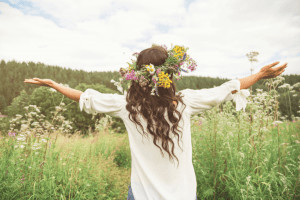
200, 100
92, 101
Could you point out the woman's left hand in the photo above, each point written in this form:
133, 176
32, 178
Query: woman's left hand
269, 71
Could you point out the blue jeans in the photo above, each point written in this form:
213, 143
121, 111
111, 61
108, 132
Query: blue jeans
130, 195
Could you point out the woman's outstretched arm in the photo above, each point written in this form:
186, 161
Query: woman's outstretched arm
268, 71
68, 92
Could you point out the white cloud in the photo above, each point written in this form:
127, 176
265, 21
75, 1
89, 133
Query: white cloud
101, 35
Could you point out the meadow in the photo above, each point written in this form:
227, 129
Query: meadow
251, 154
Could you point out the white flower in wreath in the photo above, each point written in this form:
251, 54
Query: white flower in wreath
150, 68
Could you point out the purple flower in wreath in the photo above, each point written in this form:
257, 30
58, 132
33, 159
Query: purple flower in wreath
184, 70
184, 56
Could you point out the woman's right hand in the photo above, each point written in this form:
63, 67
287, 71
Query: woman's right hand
41, 82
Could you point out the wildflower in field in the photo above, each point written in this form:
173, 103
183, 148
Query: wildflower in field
35, 146
21, 137
11, 134
52, 89
199, 122
44, 140
248, 179
287, 86
242, 155
296, 85
22, 179
277, 122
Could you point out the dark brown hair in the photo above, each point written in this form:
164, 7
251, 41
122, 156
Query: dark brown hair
155, 108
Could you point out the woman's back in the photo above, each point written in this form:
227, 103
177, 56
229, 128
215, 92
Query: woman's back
153, 175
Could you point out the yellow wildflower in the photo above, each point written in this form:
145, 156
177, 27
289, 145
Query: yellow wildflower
164, 80
179, 52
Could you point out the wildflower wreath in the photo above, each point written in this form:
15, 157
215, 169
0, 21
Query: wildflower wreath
158, 76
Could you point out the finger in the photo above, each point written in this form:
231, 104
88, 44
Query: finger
279, 73
272, 65
281, 67
27, 80
33, 82
36, 79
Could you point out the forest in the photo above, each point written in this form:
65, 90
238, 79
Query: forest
15, 95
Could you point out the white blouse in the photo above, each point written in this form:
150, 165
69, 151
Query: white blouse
153, 176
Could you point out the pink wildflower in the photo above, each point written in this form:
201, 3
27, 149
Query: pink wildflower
158, 71
154, 80
199, 122
165, 47
131, 76
11, 134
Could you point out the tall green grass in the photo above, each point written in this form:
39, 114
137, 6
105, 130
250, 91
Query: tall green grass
232, 163
236, 155
73, 167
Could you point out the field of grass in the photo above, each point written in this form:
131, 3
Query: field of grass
236, 155
228, 164
73, 167
246, 160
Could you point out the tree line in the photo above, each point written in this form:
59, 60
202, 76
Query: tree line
15, 95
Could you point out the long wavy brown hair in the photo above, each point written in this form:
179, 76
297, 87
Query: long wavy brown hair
152, 108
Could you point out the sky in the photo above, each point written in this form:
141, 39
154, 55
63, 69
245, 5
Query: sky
98, 35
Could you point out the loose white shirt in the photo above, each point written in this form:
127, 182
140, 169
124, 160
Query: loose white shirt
153, 176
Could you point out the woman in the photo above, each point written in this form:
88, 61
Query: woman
157, 118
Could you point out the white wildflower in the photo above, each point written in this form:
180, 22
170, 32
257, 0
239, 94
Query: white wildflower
21, 138
242, 155
150, 68
296, 85
287, 86
277, 122
44, 140
248, 179
52, 89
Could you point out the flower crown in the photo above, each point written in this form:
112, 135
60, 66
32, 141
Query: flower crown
158, 76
